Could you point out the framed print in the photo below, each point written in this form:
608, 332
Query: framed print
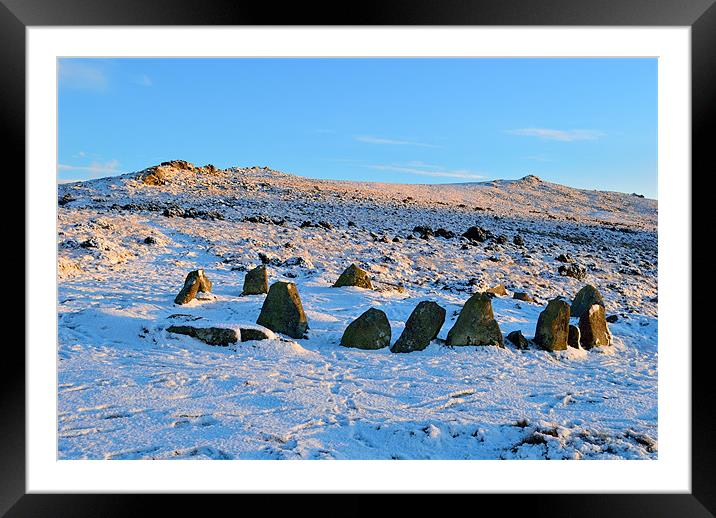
424, 249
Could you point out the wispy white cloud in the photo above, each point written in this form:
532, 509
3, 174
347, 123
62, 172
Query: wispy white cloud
555, 134
82, 75
423, 169
370, 139
94, 170
142, 80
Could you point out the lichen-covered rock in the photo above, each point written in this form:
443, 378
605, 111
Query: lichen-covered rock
154, 176
553, 326
593, 328
354, 276
523, 296
209, 335
585, 299
518, 340
371, 330
196, 281
421, 328
476, 324
256, 281
282, 311
574, 336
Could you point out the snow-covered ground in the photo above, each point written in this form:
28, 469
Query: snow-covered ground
128, 389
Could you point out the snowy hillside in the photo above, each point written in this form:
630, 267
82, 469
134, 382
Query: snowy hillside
129, 389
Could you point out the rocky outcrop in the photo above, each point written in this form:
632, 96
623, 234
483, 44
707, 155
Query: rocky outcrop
593, 328
254, 333
371, 330
282, 311
476, 324
256, 281
553, 326
354, 276
421, 328
585, 299
209, 335
195, 282
477, 234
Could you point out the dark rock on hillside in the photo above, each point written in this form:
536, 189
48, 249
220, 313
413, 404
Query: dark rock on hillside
501, 240
476, 324
209, 335
584, 299
150, 241
564, 258
446, 234
65, 199
593, 328
421, 328
423, 232
575, 271
256, 281
371, 331
195, 282
518, 240
354, 276
282, 311
553, 326
477, 234
518, 340
612, 319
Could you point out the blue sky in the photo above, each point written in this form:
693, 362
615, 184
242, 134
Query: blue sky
587, 123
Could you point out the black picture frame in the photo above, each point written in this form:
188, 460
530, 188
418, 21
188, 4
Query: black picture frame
700, 15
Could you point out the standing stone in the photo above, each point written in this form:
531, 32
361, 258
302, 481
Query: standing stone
256, 281
476, 324
354, 276
519, 340
422, 327
371, 330
282, 311
593, 328
195, 282
553, 326
585, 299
574, 336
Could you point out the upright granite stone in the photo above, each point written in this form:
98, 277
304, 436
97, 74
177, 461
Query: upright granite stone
256, 281
585, 299
195, 282
282, 311
574, 336
371, 330
209, 335
593, 328
354, 276
476, 324
422, 327
553, 326
523, 296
